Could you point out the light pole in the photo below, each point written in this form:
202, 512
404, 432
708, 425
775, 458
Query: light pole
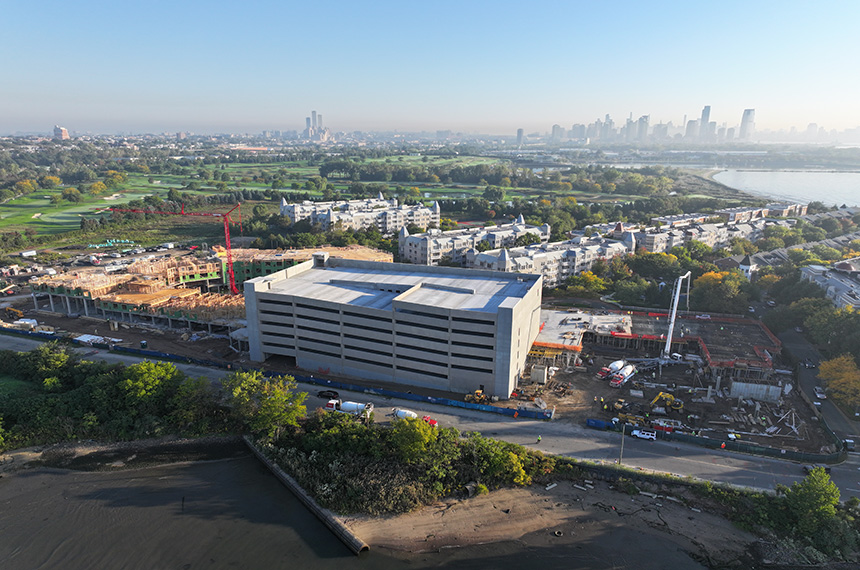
621, 455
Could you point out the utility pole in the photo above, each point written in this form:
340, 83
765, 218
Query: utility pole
621, 456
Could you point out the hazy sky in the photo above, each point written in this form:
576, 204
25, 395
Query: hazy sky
488, 66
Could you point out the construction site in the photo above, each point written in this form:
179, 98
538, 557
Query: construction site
719, 377
186, 294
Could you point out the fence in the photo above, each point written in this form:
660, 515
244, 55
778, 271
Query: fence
515, 413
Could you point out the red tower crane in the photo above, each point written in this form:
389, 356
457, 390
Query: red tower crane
224, 216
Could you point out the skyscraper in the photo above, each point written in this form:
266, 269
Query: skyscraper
642, 127
61, 133
314, 119
704, 123
747, 125
520, 134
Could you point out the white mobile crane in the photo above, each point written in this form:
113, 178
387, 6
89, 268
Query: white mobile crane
665, 356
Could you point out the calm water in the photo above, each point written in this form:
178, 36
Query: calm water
235, 514
832, 188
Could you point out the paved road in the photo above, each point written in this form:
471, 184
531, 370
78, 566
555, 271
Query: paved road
844, 427
564, 438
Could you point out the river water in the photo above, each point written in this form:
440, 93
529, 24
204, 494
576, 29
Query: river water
232, 513
832, 188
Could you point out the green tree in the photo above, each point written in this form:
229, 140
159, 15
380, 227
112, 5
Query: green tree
526, 239
812, 502
494, 194
49, 182
412, 438
72, 195
265, 405
146, 385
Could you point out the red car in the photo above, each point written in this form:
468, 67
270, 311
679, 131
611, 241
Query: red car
430, 421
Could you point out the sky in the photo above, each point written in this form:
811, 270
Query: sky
469, 66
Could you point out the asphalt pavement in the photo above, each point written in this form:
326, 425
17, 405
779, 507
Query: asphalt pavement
561, 437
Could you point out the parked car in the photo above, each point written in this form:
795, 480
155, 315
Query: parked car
798, 329
328, 394
819, 393
771, 303
430, 421
645, 434
751, 309
705, 317
808, 468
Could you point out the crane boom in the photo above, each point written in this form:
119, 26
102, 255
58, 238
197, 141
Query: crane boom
667, 350
226, 218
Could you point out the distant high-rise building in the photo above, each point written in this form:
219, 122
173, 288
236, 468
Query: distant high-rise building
747, 125
692, 131
308, 123
730, 134
642, 127
704, 123
61, 133
520, 134
181, 136
558, 133
319, 122
314, 119
577, 131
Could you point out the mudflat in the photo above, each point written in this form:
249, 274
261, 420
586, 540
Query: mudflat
181, 504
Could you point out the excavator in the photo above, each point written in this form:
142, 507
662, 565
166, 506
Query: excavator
14, 313
672, 402
632, 419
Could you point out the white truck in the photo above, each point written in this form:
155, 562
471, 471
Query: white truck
619, 378
352, 408
404, 414
608, 371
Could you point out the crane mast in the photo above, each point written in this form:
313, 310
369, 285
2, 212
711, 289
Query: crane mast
667, 350
224, 216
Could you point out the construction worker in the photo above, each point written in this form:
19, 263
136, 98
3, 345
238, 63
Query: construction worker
538, 439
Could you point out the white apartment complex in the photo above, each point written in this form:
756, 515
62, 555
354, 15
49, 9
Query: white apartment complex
430, 247
841, 283
444, 328
386, 215
556, 261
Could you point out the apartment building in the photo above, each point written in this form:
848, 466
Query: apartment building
444, 328
430, 247
386, 215
556, 261
841, 283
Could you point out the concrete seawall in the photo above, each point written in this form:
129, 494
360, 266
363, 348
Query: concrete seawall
355, 544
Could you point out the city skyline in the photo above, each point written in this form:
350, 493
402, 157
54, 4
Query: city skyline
469, 67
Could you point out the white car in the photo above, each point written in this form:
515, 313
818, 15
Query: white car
644, 434
819, 393
704, 317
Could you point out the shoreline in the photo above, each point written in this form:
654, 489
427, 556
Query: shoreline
553, 516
